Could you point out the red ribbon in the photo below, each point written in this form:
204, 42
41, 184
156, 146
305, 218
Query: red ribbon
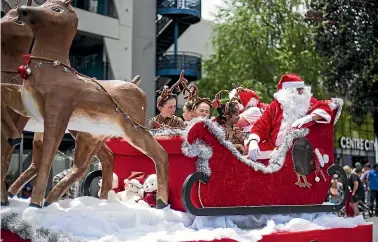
26, 59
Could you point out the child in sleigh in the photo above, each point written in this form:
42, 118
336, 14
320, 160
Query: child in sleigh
228, 116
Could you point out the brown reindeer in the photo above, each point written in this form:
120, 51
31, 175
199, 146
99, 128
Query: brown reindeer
16, 40
86, 144
56, 95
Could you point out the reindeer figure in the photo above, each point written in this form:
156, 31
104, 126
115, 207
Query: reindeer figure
16, 40
55, 94
17, 35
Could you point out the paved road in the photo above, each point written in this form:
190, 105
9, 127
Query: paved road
375, 228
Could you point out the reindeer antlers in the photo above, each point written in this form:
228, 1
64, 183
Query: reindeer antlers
182, 81
219, 94
218, 97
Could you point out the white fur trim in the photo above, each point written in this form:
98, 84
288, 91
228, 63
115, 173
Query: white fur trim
281, 134
204, 151
251, 137
322, 114
293, 85
252, 103
266, 154
336, 103
233, 94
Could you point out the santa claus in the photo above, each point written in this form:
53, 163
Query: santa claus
250, 107
293, 107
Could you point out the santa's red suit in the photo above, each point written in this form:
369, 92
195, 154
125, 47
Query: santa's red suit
269, 130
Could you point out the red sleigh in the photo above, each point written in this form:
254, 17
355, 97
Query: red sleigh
207, 175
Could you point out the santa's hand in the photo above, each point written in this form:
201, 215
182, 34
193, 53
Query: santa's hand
300, 122
253, 150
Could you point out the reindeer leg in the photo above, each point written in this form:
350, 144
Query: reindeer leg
107, 160
30, 173
148, 145
8, 127
56, 119
6, 153
86, 146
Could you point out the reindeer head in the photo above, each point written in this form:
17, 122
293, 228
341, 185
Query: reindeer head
53, 20
13, 31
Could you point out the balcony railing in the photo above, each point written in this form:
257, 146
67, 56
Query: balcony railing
183, 6
171, 65
103, 7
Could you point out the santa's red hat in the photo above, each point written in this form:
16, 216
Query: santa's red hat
290, 81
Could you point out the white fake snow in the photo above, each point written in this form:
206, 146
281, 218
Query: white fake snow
103, 221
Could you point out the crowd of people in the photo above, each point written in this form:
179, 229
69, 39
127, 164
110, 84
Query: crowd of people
362, 186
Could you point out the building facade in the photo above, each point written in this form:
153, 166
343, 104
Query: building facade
355, 142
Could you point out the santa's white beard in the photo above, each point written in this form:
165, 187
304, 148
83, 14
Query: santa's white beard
294, 105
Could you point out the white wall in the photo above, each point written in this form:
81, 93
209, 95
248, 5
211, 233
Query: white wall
133, 51
197, 39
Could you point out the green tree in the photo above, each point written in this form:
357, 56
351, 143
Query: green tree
347, 39
255, 42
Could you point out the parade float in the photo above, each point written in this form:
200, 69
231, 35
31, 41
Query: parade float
214, 192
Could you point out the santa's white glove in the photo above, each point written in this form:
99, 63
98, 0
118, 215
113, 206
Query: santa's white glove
253, 150
300, 122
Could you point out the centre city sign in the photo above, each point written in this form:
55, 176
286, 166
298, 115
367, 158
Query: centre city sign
357, 144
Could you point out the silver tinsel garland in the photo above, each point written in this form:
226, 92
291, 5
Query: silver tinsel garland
276, 161
166, 132
13, 222
204, 151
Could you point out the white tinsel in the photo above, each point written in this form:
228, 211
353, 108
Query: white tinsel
204, 152
337, 103
12, 222
167, 132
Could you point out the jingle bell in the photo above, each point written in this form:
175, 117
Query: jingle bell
21, 69
24, 71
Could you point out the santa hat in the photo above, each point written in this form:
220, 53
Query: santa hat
290, 81
248, 98
135, 176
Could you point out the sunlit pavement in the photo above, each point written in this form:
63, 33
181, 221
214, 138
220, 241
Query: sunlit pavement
375, 221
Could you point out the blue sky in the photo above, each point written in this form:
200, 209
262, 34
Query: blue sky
208, 7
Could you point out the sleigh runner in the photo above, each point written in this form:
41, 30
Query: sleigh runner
208, 176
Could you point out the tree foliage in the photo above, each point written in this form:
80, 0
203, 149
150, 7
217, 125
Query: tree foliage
255, 42
347, 38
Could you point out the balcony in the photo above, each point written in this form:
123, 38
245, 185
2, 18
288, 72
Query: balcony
103, 7
171, 65
179, 8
